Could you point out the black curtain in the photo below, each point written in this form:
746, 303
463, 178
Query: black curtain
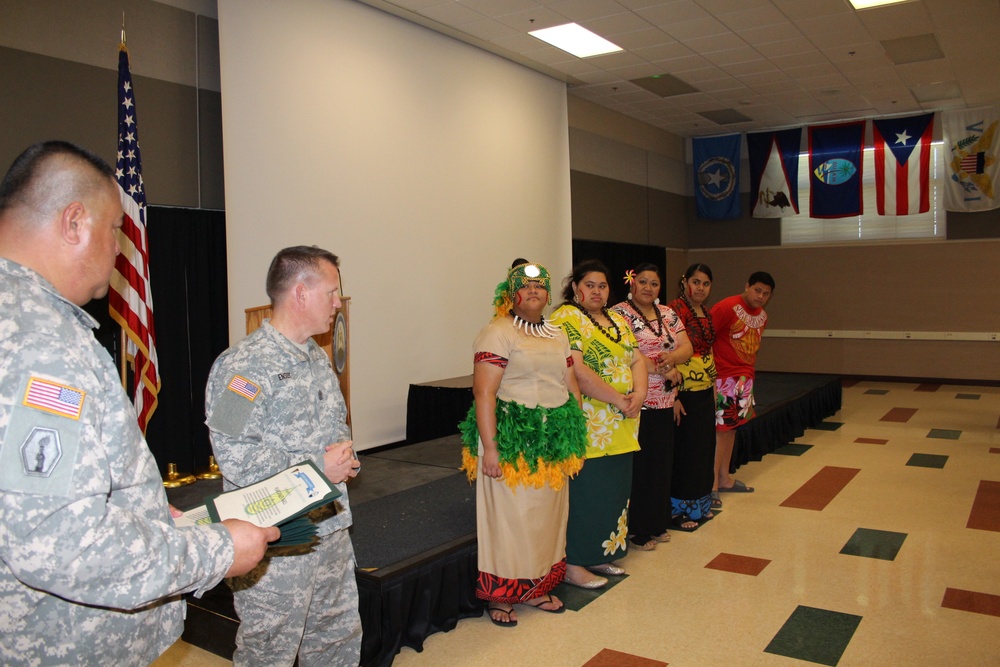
187, 273
619, 258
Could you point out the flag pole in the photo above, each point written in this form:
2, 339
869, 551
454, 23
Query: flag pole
122, 336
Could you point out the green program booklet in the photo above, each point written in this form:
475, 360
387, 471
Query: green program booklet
281, 500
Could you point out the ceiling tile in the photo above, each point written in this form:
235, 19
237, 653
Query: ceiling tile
908, 18
772, 33
756, 17
804, 9
451, 13
791, 61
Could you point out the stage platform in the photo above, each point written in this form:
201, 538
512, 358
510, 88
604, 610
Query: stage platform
415, 522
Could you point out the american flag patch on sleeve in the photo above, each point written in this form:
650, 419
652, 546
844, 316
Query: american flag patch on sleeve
244, 387
54, 397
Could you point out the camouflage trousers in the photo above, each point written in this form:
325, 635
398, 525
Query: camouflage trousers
300, 601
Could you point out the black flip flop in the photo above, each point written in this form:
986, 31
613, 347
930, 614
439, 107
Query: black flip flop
547, 611
496, 621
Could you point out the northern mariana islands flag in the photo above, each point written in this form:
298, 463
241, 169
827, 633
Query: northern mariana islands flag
835, 170
903, 164
717, 176
774, 172
972, 173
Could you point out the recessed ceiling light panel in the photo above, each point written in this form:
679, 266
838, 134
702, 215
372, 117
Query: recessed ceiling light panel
576, 39
868, 4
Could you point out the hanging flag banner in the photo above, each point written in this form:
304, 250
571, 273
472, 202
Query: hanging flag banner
717, 176
130, 299
903, 164
835, 170
774, 172
971, 171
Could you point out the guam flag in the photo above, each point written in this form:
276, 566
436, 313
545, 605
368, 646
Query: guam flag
835, 170
973, 171
717, 176
903, 164
774, 172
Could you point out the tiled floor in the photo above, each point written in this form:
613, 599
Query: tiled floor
874, 541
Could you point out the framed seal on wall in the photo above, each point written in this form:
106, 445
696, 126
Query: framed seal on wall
339, 343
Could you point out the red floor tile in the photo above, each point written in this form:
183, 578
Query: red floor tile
985, 514
821, 489
738, 564
900, 415
977, 603
871, 441
609, 658
994, 450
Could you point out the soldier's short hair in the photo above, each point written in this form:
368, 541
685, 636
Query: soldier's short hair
49, 176
295, 264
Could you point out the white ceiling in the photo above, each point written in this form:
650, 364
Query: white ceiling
780, 63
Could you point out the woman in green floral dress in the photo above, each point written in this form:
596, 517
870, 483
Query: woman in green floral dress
612, 377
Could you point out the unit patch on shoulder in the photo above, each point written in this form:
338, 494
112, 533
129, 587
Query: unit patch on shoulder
55, 398
244, 387
41, 452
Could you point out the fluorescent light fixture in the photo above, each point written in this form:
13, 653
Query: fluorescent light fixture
575, 39
868, 4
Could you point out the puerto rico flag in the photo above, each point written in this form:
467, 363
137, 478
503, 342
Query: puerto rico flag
903, 164
835, 170
774, 172
717, 176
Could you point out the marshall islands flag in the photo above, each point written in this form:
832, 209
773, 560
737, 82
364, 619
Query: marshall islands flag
835, 170
972, 171
717, 176
903, 164
774, 172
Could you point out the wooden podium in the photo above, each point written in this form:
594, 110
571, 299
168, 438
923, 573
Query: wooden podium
335, 341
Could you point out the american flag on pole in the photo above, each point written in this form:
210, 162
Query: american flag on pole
130, 299
903, 164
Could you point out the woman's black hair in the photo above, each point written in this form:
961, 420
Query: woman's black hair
691, 270
579, 271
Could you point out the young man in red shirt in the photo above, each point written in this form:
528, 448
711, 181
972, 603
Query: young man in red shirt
739, 322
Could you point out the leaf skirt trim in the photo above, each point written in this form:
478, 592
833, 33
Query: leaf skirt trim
536, 446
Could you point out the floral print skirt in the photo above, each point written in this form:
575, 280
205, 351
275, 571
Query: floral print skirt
733, 402
598, 511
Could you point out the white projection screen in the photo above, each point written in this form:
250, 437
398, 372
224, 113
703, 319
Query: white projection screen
424, 163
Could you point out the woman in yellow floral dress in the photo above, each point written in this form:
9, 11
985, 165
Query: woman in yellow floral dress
612, 377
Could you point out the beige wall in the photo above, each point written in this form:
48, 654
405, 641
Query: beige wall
425, 163
937, 287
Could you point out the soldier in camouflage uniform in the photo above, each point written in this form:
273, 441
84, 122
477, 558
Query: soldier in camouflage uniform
91, 564
272, 401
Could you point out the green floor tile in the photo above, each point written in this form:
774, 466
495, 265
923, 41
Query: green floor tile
869, 543
814, 635
828, 426
968, 397
878, 392
792, 449
927, 460
944, 434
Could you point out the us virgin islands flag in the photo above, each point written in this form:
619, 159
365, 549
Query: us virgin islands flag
972, 171
903, 164
774, 172
717, 176
835, 170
